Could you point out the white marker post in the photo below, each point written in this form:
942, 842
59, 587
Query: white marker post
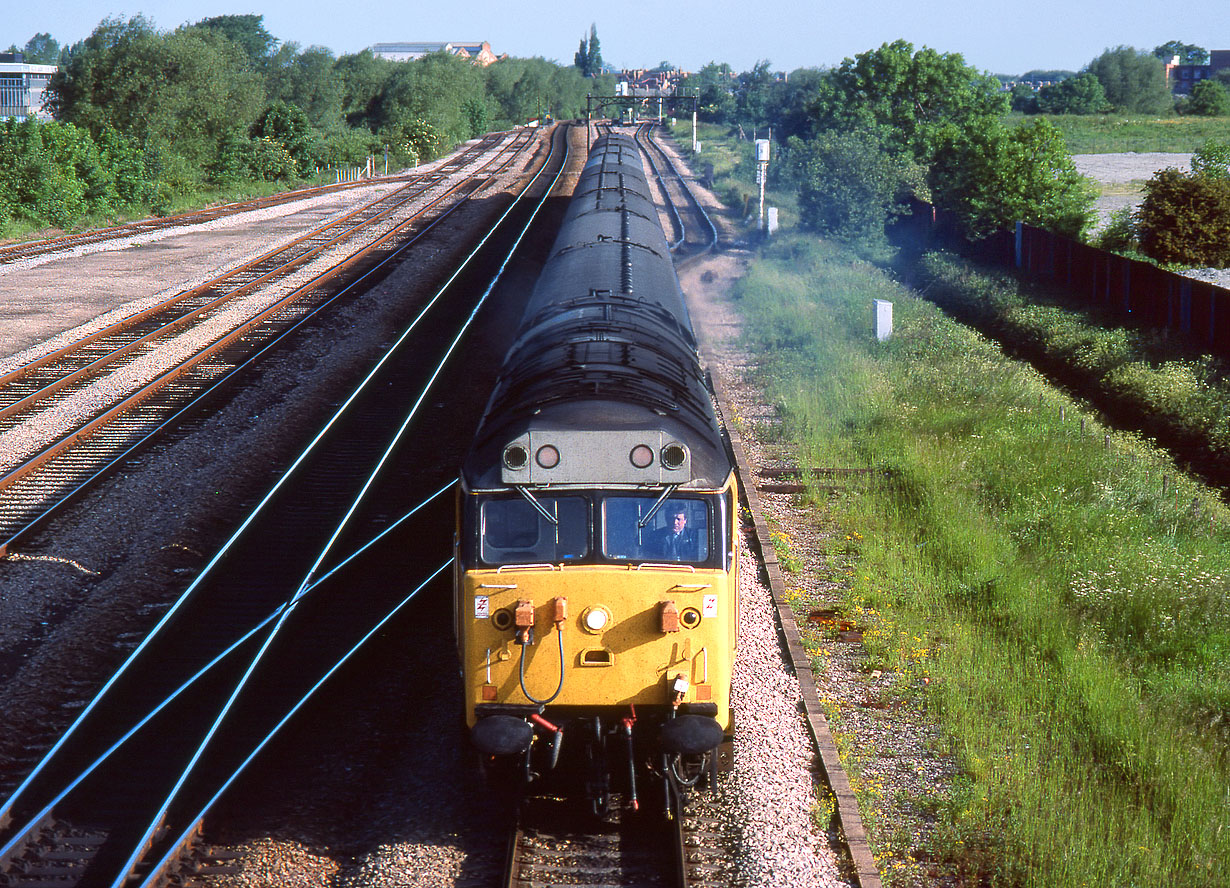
884, 319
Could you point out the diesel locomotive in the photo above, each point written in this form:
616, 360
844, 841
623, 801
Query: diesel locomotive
596, 594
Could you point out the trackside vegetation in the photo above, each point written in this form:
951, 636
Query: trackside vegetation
150, 121
1062, 611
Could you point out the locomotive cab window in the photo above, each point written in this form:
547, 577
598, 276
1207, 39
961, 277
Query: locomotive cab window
678, 531
514, 532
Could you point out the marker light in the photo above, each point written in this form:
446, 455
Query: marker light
547, 456
516, 457
641, 456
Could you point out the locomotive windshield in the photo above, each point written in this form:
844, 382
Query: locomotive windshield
596, 527
677, 531
513, 531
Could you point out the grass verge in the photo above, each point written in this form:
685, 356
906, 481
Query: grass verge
1068, 613
1118, 133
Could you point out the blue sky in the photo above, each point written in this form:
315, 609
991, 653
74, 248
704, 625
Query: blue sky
999, 37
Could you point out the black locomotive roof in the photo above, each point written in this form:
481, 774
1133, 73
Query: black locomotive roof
606, 344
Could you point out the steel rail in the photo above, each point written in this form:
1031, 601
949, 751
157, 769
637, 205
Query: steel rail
33, 822
6, 808
348, 225
314, 582
73, 438
159, 870
677, 220
712, 243
159, 821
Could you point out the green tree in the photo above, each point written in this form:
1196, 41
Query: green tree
1186, 219
580, 58
1209, 99
714, 87
176, 93
588, 58
362, 78
1134, 81
1187, 53
307, 80
910, 100
1212, 160
288, 126
593, 55
1023, 98
753, 92
41, 49
849, 186
789, 101
994, 177
245, 31
422, 106
1053, 76
1082, 94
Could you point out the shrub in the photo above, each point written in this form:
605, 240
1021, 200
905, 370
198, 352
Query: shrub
1121, 234
1209, 99
1186, 219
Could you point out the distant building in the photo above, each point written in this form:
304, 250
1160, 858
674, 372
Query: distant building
478, 52
1181, 78
641, 82
22, 87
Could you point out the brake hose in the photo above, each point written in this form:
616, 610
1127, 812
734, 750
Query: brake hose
521, 670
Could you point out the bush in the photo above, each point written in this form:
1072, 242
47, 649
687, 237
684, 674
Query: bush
1186, 219
1209, 99
848, 184
1121, 234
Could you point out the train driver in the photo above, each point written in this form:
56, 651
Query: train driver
676, 541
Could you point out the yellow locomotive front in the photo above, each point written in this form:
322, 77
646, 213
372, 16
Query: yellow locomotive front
598, 617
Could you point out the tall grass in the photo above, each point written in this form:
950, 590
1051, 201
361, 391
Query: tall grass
1117, 133
1070, 616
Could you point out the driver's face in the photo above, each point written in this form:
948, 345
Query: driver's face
680, 522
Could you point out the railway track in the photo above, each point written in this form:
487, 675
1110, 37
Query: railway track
68, 416
318, 569
551, 843
690, 241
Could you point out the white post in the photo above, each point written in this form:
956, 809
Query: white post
884, 319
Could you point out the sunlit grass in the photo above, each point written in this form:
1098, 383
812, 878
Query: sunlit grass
1069, 614
1116, 133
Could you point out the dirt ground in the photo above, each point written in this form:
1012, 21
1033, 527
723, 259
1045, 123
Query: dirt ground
1121, 177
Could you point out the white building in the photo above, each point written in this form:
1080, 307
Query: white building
479, 51
22, 87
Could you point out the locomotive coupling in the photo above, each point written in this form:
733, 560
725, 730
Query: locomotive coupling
561, 612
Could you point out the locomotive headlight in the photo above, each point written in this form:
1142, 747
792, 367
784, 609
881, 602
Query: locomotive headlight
595, 618
547, 456
516, 457
641, 456
674, 455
